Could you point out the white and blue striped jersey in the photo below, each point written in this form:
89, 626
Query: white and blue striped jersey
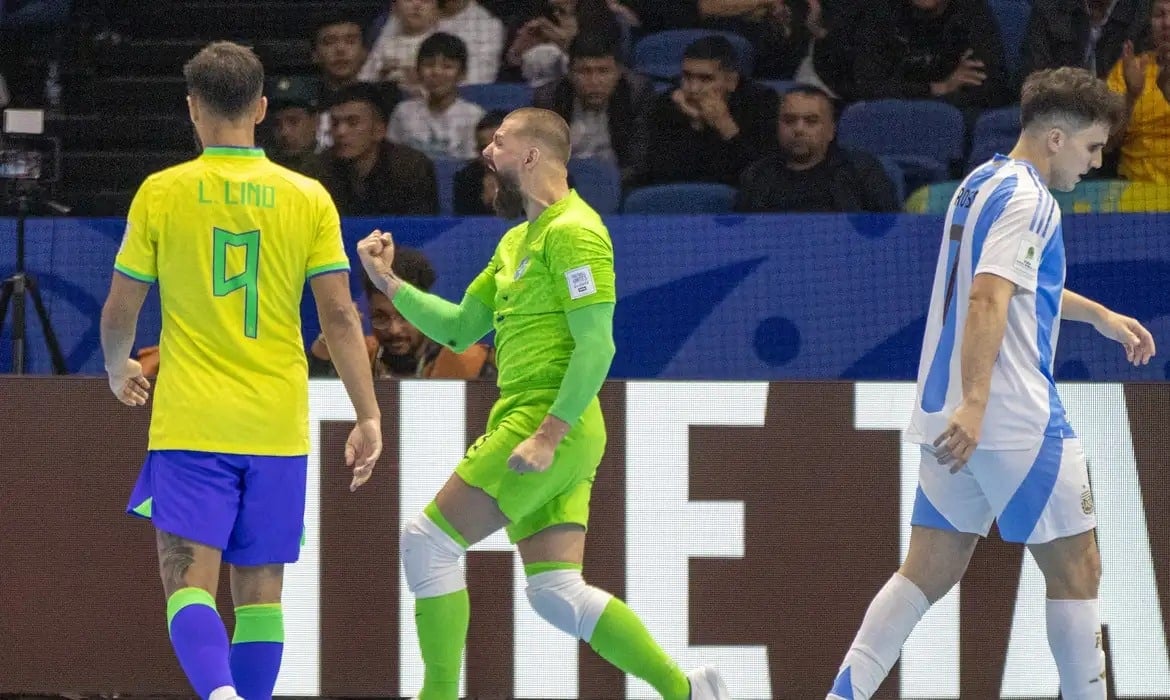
1004, 221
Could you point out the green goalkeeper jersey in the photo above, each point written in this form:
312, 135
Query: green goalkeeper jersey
540, 272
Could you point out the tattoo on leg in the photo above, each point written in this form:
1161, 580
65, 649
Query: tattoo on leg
176, 557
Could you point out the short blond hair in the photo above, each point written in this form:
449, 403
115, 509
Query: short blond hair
545, 126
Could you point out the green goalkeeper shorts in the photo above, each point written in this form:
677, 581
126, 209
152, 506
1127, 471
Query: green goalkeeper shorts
537, 500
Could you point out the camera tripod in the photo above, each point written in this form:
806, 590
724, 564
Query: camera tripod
16, 288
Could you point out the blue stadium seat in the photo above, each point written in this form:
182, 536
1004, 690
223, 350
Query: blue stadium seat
445, 169
894, 172
598, 181
681, 198
660, 54
923, 136
505, 96
1012, 18
995, 131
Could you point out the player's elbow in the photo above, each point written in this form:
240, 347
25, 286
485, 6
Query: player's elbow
607, 349
986, 308
114, 316
600, 347
338, 318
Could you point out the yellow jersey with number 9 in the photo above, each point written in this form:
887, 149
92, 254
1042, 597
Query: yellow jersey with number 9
231, 239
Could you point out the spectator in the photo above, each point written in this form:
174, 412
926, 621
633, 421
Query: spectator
339, 51
1144, 79
1082, 33
293, 111
715, 123
775, 28
834, 28
482, 31
395, 51
918, 49
605, 105
811, 173
475, 185
398, 349
441, 123
367, 175
538, 50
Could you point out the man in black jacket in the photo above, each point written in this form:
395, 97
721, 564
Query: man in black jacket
919, 49
605, 105
811, 174
364, 173
715, 123
1082, 33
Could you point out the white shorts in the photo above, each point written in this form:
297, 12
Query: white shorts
1036, 495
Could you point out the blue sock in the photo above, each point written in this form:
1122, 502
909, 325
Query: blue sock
199, 639
257, 645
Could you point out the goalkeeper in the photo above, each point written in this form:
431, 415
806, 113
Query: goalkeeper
549, 294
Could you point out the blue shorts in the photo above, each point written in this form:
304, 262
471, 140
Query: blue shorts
251, 508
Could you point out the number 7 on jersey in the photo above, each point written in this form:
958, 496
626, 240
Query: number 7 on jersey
222, 285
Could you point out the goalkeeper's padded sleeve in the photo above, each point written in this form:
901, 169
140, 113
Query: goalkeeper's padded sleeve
592, 329
456, 326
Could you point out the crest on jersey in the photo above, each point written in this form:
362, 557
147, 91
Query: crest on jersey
1026, 255
520, 269
1087, 501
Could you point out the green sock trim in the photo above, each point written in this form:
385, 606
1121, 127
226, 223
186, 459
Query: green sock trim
145, 508
541, 567
263, 622
184, 597
432, 512
621, 639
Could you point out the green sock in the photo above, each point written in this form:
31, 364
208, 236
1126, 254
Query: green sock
442, 631
621, 639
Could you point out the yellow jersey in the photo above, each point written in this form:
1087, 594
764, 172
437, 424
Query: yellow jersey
231, 239
1145, 148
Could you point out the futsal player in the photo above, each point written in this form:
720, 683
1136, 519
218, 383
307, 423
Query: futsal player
231, 239
996, 444
548, 292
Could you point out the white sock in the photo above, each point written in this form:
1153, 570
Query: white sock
224, 692
1074, 636
890, 619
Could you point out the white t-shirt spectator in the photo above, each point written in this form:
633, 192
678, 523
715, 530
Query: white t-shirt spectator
484, 34
447, 134
482, 31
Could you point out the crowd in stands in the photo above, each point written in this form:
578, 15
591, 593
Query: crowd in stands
768, 102
752, 103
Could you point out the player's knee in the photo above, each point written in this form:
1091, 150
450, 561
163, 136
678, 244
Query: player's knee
1076, 577
566, 602
430, 558
934, 582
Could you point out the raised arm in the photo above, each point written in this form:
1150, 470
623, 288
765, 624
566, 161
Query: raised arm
455, 325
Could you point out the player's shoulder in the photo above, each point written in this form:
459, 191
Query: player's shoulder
309, 187
161, 179
578, 218
1009, 181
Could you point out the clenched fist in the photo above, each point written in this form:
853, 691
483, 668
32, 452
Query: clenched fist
376, 251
